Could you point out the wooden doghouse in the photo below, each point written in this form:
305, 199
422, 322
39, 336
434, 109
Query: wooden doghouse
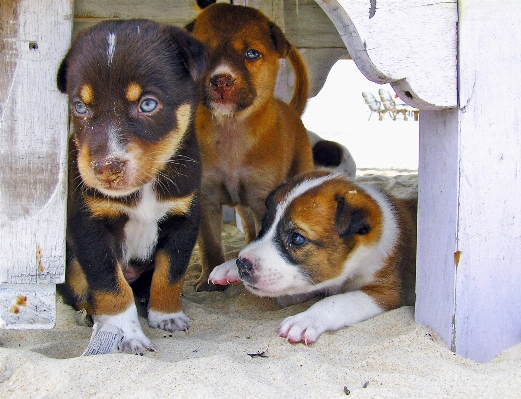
458, 62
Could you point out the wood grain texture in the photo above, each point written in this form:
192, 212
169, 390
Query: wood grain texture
90, 12
410, 44
33, 137
33, 133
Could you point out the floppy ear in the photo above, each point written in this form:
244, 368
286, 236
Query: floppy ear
348, 220
192, 51
61, 77
280, 42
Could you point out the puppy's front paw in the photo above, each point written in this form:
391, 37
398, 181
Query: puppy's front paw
203, 284
303, 327
136, 344
168, 321
125, 326
225, 274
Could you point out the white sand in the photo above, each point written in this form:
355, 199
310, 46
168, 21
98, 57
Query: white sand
389, 354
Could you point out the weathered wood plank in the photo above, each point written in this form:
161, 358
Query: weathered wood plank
308, 26
410, 44
90, 12
33, 139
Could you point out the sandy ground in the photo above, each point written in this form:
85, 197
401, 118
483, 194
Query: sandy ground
232, 350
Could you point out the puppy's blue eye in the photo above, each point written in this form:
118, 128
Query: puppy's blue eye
298, 240
80, 108
148, 105
252, 54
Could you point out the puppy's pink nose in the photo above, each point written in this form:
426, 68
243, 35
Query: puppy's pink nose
109, 169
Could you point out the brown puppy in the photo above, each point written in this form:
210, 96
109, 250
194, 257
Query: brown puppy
134, 171
250, 141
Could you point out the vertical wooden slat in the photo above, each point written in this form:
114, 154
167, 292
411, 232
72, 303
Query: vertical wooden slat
488, 314
33, 138
438, 221
470, 189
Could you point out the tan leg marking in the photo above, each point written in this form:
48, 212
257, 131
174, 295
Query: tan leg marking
165, 296
112, 303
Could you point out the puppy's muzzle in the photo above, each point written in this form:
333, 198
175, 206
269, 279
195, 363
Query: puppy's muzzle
109, 170
222, 84
245, 268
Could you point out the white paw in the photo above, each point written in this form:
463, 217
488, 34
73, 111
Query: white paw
136, 344
302, 327
133, 340
168, 321
225, 274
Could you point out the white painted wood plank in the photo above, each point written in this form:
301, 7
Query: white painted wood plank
408, 43
437, 221
470, 161
33, 137
488, 314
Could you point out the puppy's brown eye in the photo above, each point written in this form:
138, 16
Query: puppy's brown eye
363, 230
252, 54
148, 105
80, 108
297, 240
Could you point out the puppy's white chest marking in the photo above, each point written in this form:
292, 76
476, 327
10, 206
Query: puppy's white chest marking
141, 230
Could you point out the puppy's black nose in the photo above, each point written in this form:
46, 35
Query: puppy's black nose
222, 80
245, 267
109, 170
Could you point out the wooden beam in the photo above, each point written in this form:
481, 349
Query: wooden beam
408, 43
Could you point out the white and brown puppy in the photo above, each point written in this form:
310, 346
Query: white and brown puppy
324, 234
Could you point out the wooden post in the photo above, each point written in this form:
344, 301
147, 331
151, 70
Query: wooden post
34, 36
481, 145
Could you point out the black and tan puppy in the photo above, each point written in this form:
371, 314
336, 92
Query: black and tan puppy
134, 171
250, 141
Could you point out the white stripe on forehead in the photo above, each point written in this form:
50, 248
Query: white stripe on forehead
111, 38
297, 191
